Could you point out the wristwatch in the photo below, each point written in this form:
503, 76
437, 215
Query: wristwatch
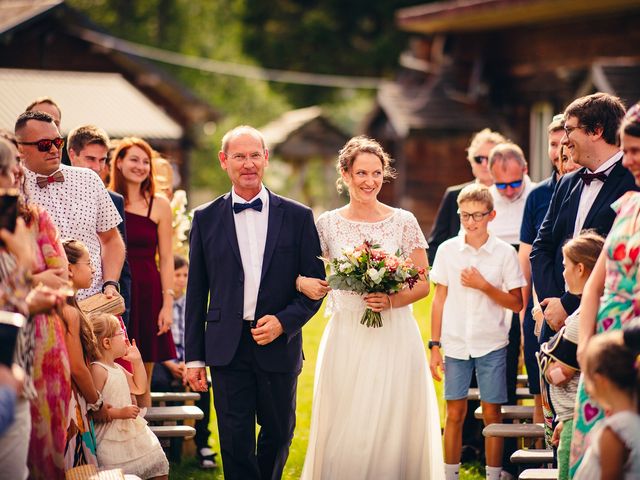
94, 407
111, 282
434, 343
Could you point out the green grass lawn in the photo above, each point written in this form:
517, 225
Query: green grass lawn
312, 333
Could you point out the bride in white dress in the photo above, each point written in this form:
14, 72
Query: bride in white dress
375, 414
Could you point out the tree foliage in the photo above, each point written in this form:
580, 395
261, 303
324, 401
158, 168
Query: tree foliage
354, 37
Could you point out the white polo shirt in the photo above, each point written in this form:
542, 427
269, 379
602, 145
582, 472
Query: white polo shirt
473, 324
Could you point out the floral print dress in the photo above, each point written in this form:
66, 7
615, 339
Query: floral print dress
619, 304
51, 370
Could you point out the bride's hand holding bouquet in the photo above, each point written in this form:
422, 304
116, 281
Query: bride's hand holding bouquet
374, 273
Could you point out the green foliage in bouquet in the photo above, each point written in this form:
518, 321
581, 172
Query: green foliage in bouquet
369, 269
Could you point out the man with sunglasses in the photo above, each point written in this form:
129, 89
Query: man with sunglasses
581, 200
447, 222
75, 198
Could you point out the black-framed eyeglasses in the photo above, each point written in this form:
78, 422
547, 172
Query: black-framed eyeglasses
477, 216
503, 185
568, 130
44, 145
480, 158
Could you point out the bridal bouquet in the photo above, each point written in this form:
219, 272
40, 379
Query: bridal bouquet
368, 269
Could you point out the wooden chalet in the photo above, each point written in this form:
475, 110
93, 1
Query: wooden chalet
505, 64
48, 48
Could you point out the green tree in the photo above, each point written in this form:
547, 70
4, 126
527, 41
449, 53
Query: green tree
354, 37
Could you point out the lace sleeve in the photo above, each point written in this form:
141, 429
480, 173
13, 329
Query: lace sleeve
322, 226
412, 236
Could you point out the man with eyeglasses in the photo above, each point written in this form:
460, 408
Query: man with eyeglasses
244, 316
88, 147
75, 198
447, 222
581, 200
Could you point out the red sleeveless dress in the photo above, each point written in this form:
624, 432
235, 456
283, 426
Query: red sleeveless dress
146, 289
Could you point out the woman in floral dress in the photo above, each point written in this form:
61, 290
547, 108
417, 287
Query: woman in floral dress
613, 285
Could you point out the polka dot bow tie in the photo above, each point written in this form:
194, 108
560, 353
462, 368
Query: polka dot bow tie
44, 181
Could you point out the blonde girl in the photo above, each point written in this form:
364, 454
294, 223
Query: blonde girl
127, 442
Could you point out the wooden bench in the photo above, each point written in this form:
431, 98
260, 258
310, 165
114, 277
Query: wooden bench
514, 430
522, 393
511, 412
523, 380
173, 431
532, 455
163, 397
173, 414
539, 474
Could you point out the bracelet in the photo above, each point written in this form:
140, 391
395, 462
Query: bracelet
298, 280
111, 282
94, 407
169, 291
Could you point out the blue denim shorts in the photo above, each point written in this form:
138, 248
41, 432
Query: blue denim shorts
491, 373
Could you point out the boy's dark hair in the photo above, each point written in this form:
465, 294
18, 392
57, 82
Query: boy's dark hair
179, 261
599, 110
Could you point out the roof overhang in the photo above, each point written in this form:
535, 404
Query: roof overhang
103, 99
481, 15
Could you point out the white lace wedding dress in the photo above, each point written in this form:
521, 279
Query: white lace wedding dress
375, 414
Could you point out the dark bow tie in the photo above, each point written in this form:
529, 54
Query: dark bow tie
587, 178
44, 181
256, 205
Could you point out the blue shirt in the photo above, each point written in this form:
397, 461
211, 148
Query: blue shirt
536, 208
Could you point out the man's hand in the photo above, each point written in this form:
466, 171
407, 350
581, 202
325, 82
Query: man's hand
110, 291
472, 278
436, 365
267, 330
197, 378
554, 312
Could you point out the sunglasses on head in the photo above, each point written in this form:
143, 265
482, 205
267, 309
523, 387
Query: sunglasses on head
480, 158
502, 186
44, 145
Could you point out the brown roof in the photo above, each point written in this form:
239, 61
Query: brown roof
477, 15
302, 134
431, 105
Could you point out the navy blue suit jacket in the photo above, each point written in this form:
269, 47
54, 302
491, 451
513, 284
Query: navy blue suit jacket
215, 289
125, 274
558, 225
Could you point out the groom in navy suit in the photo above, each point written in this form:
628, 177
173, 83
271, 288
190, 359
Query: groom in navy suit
243, 313
582, 199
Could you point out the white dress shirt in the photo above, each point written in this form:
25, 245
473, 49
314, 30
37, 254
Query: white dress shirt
251, 231
590, 192
506, 225
473, 324
81, 208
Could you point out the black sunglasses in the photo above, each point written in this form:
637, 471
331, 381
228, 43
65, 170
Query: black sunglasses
480, 158
44, 145
502, 186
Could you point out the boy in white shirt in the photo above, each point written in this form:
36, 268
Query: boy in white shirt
477, 277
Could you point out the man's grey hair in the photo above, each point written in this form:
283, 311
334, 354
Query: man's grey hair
507, 151
241, 130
